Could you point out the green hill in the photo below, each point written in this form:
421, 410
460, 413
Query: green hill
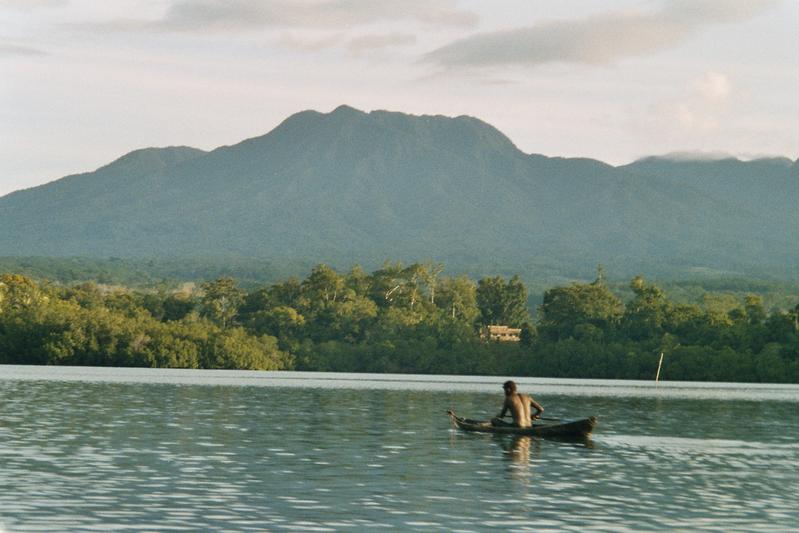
349, 186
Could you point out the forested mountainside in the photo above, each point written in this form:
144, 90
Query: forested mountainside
381, 185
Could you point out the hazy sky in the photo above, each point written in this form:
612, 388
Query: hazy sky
83, 82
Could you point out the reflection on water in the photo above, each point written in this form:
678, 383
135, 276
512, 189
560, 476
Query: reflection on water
518, 448
197, 453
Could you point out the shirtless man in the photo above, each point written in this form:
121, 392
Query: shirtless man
519, 406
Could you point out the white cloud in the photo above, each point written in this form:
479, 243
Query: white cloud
364, 43
378, 41
700, 109
8, 49
597, 39
713, 87
310, 44
237, 15
27, 5
685, 117
697, 156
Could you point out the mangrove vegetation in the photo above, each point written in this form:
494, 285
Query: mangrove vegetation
401, 318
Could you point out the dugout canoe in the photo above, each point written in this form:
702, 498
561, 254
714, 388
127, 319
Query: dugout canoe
578, 428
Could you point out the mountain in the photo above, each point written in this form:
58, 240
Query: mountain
769, 186
349, 186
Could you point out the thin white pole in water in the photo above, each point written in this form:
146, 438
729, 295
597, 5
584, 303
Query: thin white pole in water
657, 376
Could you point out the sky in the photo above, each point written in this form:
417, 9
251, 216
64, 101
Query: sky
82, 82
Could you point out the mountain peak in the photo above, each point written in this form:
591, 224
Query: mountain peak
344, 109
348, 128
150, 159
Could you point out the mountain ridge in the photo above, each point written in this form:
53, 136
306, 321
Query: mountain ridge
355, 186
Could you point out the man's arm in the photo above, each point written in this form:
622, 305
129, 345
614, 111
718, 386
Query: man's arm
504, 409
537, 407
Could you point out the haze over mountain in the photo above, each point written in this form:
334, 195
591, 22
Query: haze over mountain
349, 186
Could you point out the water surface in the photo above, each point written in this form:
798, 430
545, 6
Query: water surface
103, 449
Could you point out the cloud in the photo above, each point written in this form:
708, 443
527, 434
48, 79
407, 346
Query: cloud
7, 49
375, 42
311, 44
236, 15
696, 155
365, 43
27, 5
713, 87
700, 109
597, 39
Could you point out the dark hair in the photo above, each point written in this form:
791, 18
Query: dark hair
509, 385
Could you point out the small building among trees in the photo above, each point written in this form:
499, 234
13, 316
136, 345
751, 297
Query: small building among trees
501, 333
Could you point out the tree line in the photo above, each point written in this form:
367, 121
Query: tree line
401, 318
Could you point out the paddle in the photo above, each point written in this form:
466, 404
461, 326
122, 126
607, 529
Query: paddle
551, 419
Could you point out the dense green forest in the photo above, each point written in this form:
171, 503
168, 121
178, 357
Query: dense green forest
169, 274
407, 319
166, 273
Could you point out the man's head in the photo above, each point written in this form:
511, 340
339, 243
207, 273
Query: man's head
509, 386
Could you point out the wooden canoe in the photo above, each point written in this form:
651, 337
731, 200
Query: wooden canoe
563, 428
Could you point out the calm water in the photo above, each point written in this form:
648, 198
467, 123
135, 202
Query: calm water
171, 450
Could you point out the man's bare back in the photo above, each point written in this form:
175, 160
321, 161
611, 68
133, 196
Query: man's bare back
519, 406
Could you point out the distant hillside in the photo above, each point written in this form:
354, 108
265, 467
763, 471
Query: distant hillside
349, 186
766, 187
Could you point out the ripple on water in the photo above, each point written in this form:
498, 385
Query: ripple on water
132, 456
